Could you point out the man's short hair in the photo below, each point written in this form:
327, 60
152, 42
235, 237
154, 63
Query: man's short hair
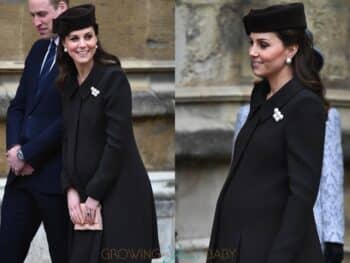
55, 3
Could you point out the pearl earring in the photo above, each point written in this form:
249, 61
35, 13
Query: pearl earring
289, 61
65, 49
96, 46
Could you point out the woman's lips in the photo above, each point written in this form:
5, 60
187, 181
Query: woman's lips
255, 64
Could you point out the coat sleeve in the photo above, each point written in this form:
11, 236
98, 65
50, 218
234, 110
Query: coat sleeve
48, 141
305, 129
16, 110
332, 182
118, 129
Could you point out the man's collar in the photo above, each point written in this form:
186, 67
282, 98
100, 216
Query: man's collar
55, 39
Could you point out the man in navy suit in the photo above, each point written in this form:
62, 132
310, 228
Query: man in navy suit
33, 192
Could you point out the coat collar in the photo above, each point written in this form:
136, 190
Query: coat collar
278, 100
90, 81
85, 88
258, 96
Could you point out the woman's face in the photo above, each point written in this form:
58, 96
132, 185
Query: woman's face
81, 45
268, 54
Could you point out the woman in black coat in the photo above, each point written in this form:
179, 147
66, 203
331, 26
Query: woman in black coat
102, 165
264, 212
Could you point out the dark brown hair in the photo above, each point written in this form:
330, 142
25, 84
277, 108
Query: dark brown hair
67, 67
304, 62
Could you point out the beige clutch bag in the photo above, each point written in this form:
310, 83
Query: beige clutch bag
98, 220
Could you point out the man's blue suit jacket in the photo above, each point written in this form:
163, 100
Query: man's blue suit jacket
35, 122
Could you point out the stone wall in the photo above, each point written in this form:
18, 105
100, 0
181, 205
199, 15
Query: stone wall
132, 29
213, 78
211, 43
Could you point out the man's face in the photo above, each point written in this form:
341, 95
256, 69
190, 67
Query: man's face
43, 12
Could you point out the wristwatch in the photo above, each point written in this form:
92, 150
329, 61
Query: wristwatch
20, 155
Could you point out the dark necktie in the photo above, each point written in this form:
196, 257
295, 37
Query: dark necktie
49, 60
46, 67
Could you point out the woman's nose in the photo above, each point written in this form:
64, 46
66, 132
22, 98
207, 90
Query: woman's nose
253, 51
82, 43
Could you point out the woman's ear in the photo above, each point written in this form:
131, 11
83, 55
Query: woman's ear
292, 50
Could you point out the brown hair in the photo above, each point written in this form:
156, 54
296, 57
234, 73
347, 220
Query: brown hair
55, 3
304, 61
66, 65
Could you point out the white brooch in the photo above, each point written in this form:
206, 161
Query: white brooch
94, 91
277, 115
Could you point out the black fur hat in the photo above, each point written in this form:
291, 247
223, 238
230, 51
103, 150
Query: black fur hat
75, 18
275, 18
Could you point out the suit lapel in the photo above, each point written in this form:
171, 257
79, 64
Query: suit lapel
49, 84
50, 78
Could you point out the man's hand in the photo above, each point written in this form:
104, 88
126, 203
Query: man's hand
27, 170
15, 164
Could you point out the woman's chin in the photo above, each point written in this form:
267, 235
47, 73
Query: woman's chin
258, 74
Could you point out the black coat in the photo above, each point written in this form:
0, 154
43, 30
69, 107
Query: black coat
101, 160
264, 211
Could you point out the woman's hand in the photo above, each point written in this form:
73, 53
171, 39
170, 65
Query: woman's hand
75, 213
91, 206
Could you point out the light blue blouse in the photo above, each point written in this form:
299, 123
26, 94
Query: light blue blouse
329, 206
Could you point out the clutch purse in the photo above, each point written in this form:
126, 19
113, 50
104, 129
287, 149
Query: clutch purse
98, 220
